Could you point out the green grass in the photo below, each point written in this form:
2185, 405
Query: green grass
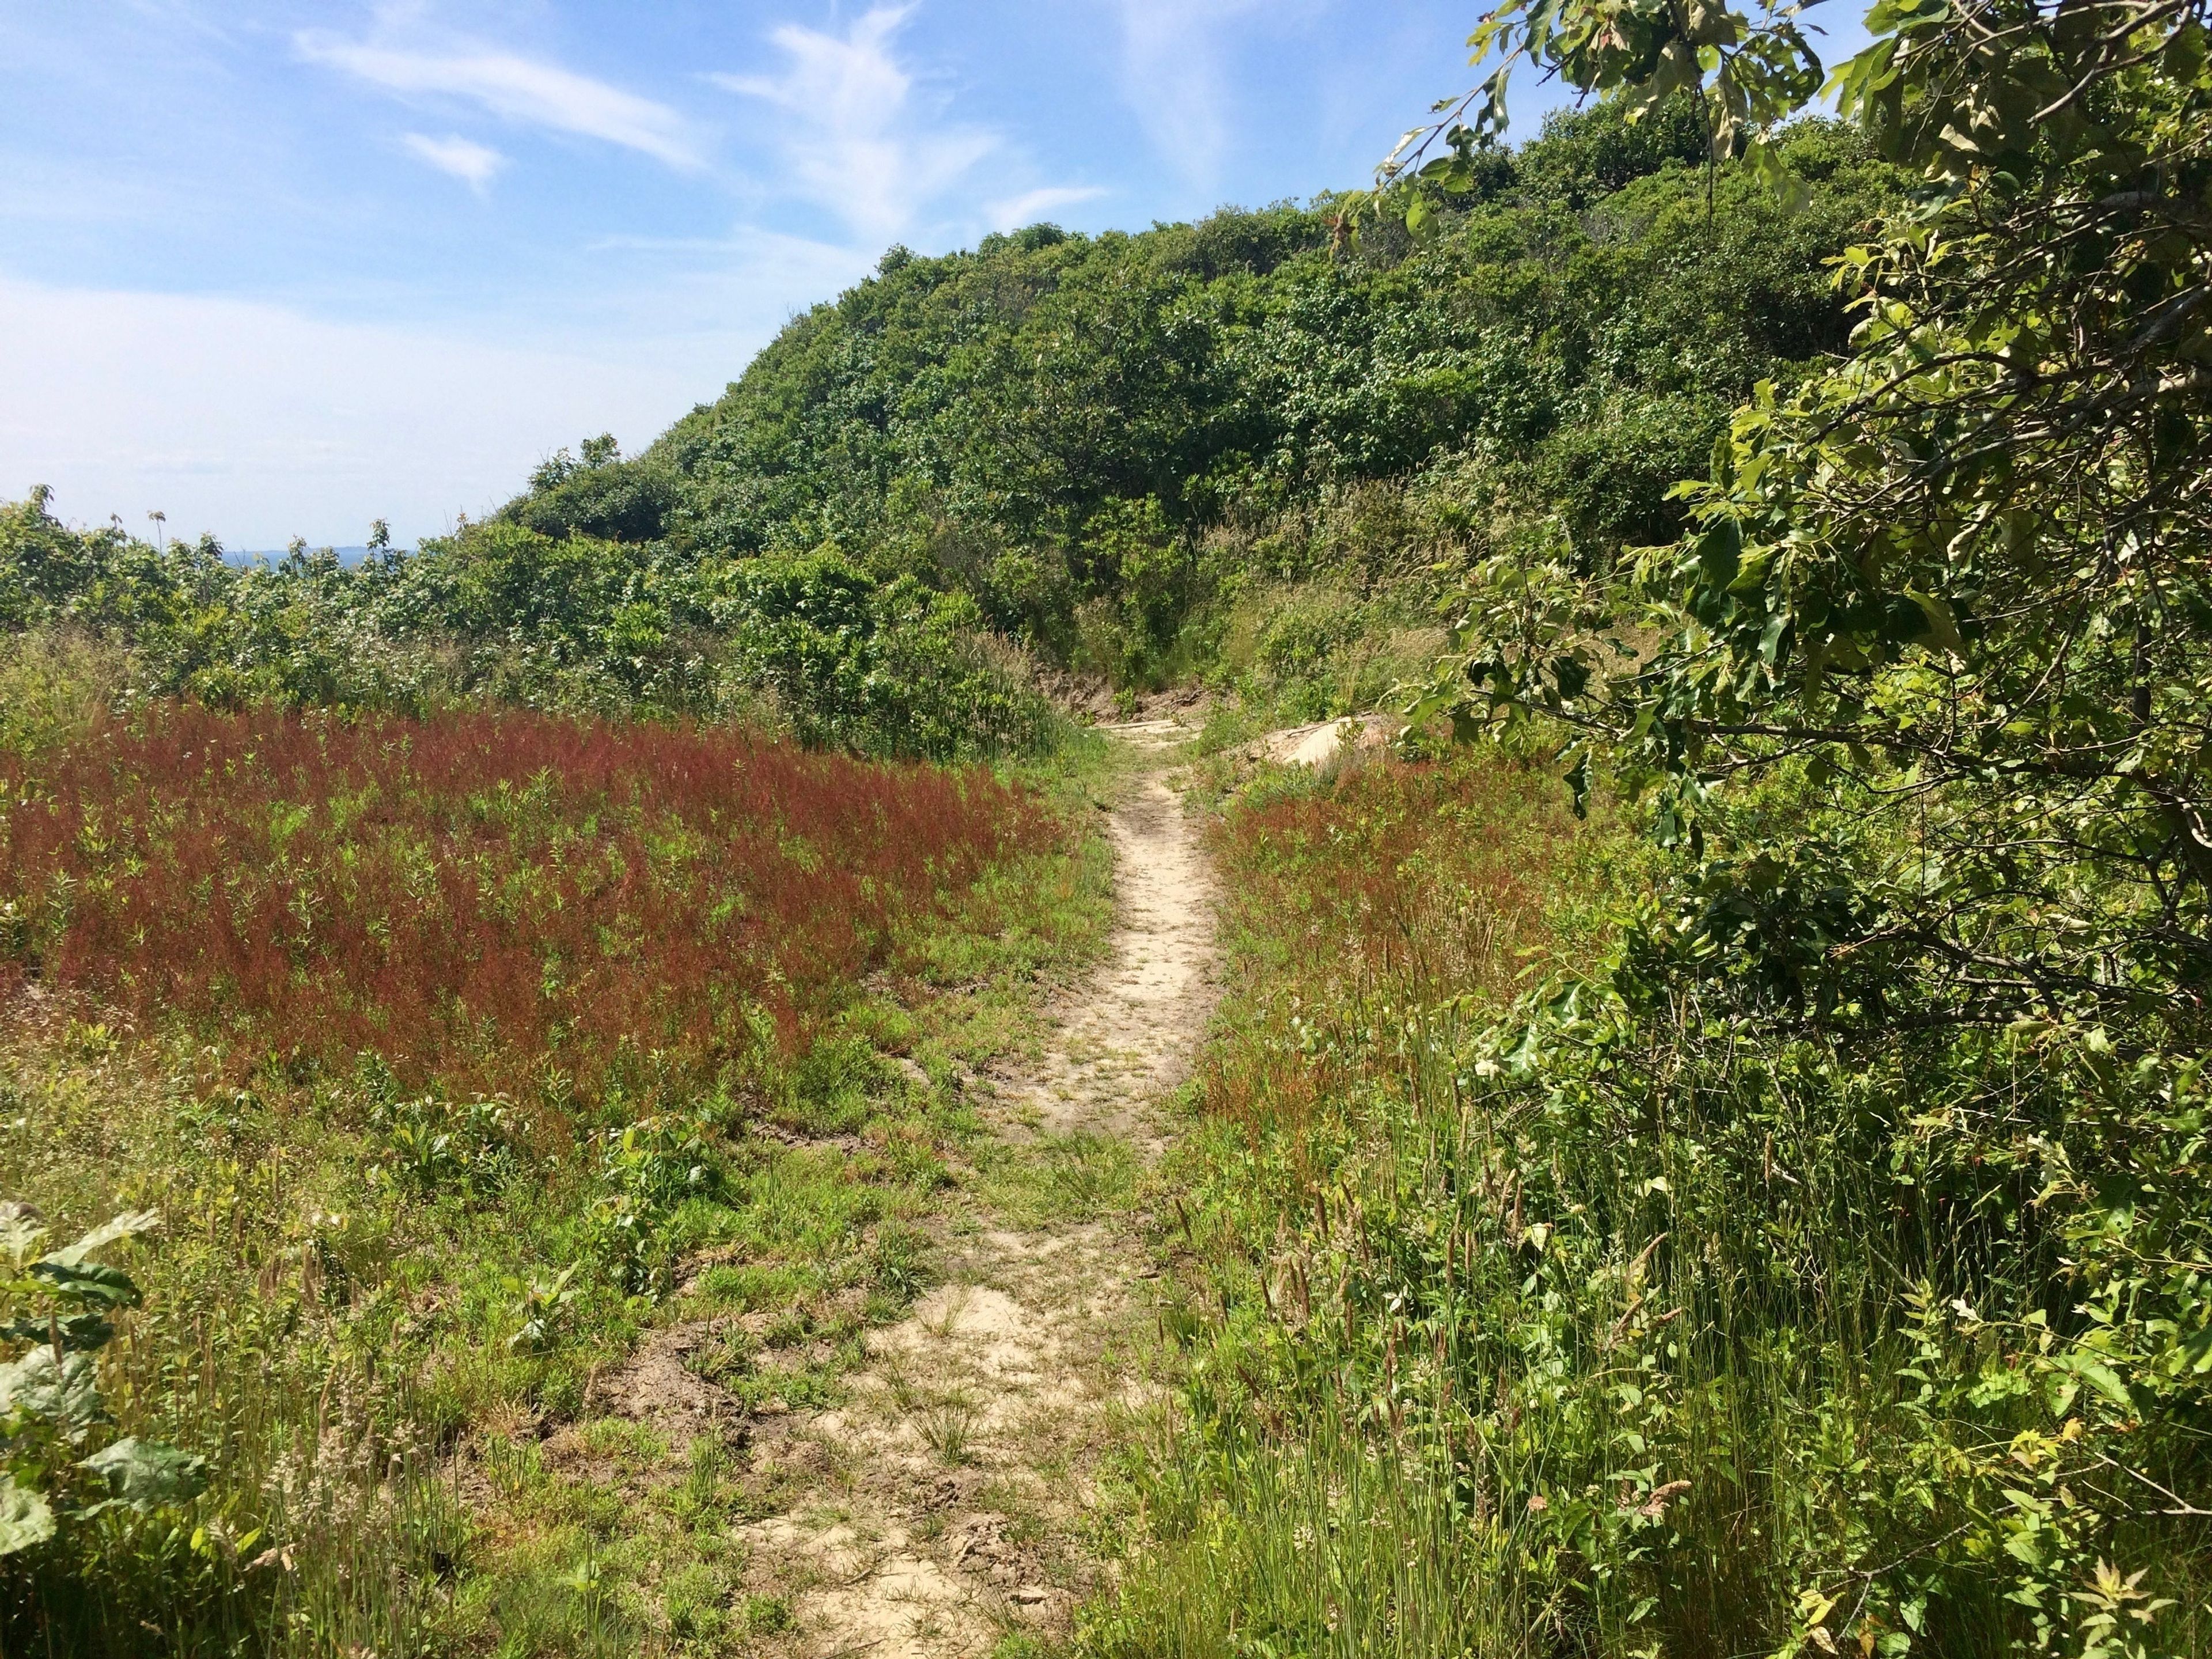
1512, 1326
1053, 1178
355, 1304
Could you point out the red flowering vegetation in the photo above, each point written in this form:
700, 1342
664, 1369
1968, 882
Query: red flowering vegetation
491, 902
1399, 886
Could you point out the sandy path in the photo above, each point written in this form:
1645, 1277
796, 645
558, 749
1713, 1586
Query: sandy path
941, 1508
1127, 1039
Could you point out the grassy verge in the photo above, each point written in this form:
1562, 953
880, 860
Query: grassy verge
1299, 1498
1600, 1317
398, 1288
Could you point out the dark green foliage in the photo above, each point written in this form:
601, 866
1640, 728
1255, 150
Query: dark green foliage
601, 495
1592, 153
1017, 421
1034, 440
501, 612
884, 667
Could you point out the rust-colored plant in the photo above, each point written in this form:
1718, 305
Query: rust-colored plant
489, 901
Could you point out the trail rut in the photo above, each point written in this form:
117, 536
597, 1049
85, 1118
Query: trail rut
940, 1507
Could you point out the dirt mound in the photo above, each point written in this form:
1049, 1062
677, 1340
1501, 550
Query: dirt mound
1327, 742
658, 1386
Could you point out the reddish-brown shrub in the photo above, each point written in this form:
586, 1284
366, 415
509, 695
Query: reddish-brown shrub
489, 901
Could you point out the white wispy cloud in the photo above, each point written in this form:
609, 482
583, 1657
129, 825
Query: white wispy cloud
475, 165
1175, 81
1032, 205
854, 139
519, 90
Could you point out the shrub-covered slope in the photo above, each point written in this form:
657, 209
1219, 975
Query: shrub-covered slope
1098, 448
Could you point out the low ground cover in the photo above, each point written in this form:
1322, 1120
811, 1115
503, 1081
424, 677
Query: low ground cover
484, 900
437, 1047
1536, 1298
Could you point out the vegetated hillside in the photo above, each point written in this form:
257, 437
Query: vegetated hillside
1102, 441
1816, 1256
1232, 448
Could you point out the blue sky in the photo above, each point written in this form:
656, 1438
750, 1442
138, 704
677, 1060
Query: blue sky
277, 268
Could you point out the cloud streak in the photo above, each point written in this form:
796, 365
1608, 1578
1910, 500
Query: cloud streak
1030, 206
1175, 81
852, 137
519, 90
475, 165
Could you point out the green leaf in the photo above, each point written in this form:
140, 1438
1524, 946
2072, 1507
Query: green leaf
65, 1392
1942, 627
1578, 781
79, 1333
1719, 552
2197, 1352
109, 1287
2102, 1378
144, 1475
2186, 51
26, 1517
126, 1225
21, 1227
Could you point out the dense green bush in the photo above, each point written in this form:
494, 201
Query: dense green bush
1083, 444
886, 667
505, 612
1824, 1263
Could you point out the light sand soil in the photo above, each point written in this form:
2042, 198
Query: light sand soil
941, 1508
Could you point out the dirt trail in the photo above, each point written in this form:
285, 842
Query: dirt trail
941, 1508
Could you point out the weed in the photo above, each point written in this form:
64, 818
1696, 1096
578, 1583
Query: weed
894, 1374
514, 1466
947, 1319
898, 1262
693, 1602
707, 1464
1064, 1178
948, 1427
543, 1308
64, 1305
766, 1615
490, 902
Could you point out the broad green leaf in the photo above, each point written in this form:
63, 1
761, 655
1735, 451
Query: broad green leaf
26, 1517
81, 1333
110, 1287
65, 1393
2102, 1378
1719, 552
144, 1473
122, 1226
1942, 628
